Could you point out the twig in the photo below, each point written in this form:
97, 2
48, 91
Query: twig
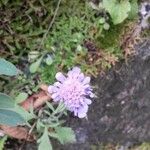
50, 25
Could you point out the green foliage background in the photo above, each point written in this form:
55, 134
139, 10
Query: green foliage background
24, 23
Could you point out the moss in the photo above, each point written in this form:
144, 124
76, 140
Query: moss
110, 38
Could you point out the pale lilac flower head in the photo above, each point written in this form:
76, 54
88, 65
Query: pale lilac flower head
74, 90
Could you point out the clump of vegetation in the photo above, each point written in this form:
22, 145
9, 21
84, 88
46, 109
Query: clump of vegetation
64, 45
12, 115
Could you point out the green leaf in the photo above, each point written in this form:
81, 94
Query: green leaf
6, 101
44, 141
21, 97
33, 55
106, 26
2, 142
34, 66
117, 10
134, 9
23, 113
60, 108
49, 60
79, 48
53, 125
50, 106
65, 134
11, 118
54, 135
102, 20
7, 68
39, 126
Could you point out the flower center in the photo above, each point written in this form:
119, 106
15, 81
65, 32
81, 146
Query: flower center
71, 91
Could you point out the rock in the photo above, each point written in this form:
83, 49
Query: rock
121, 111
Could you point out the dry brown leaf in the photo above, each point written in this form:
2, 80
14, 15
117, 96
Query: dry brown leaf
28, 102
37, 99
44, 87
40, 101
18, 133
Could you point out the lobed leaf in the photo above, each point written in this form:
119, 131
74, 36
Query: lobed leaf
118, 11
44, 141
65, 135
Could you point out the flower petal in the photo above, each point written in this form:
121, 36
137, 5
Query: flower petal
74, 90
75, 112
76, 70
82, 115
60, 77
87, 101
52, 89
86, 80
82, 111
81, 77
57, 84
92, 95
54, 96
74, 73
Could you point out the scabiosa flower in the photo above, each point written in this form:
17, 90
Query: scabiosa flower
74, 90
